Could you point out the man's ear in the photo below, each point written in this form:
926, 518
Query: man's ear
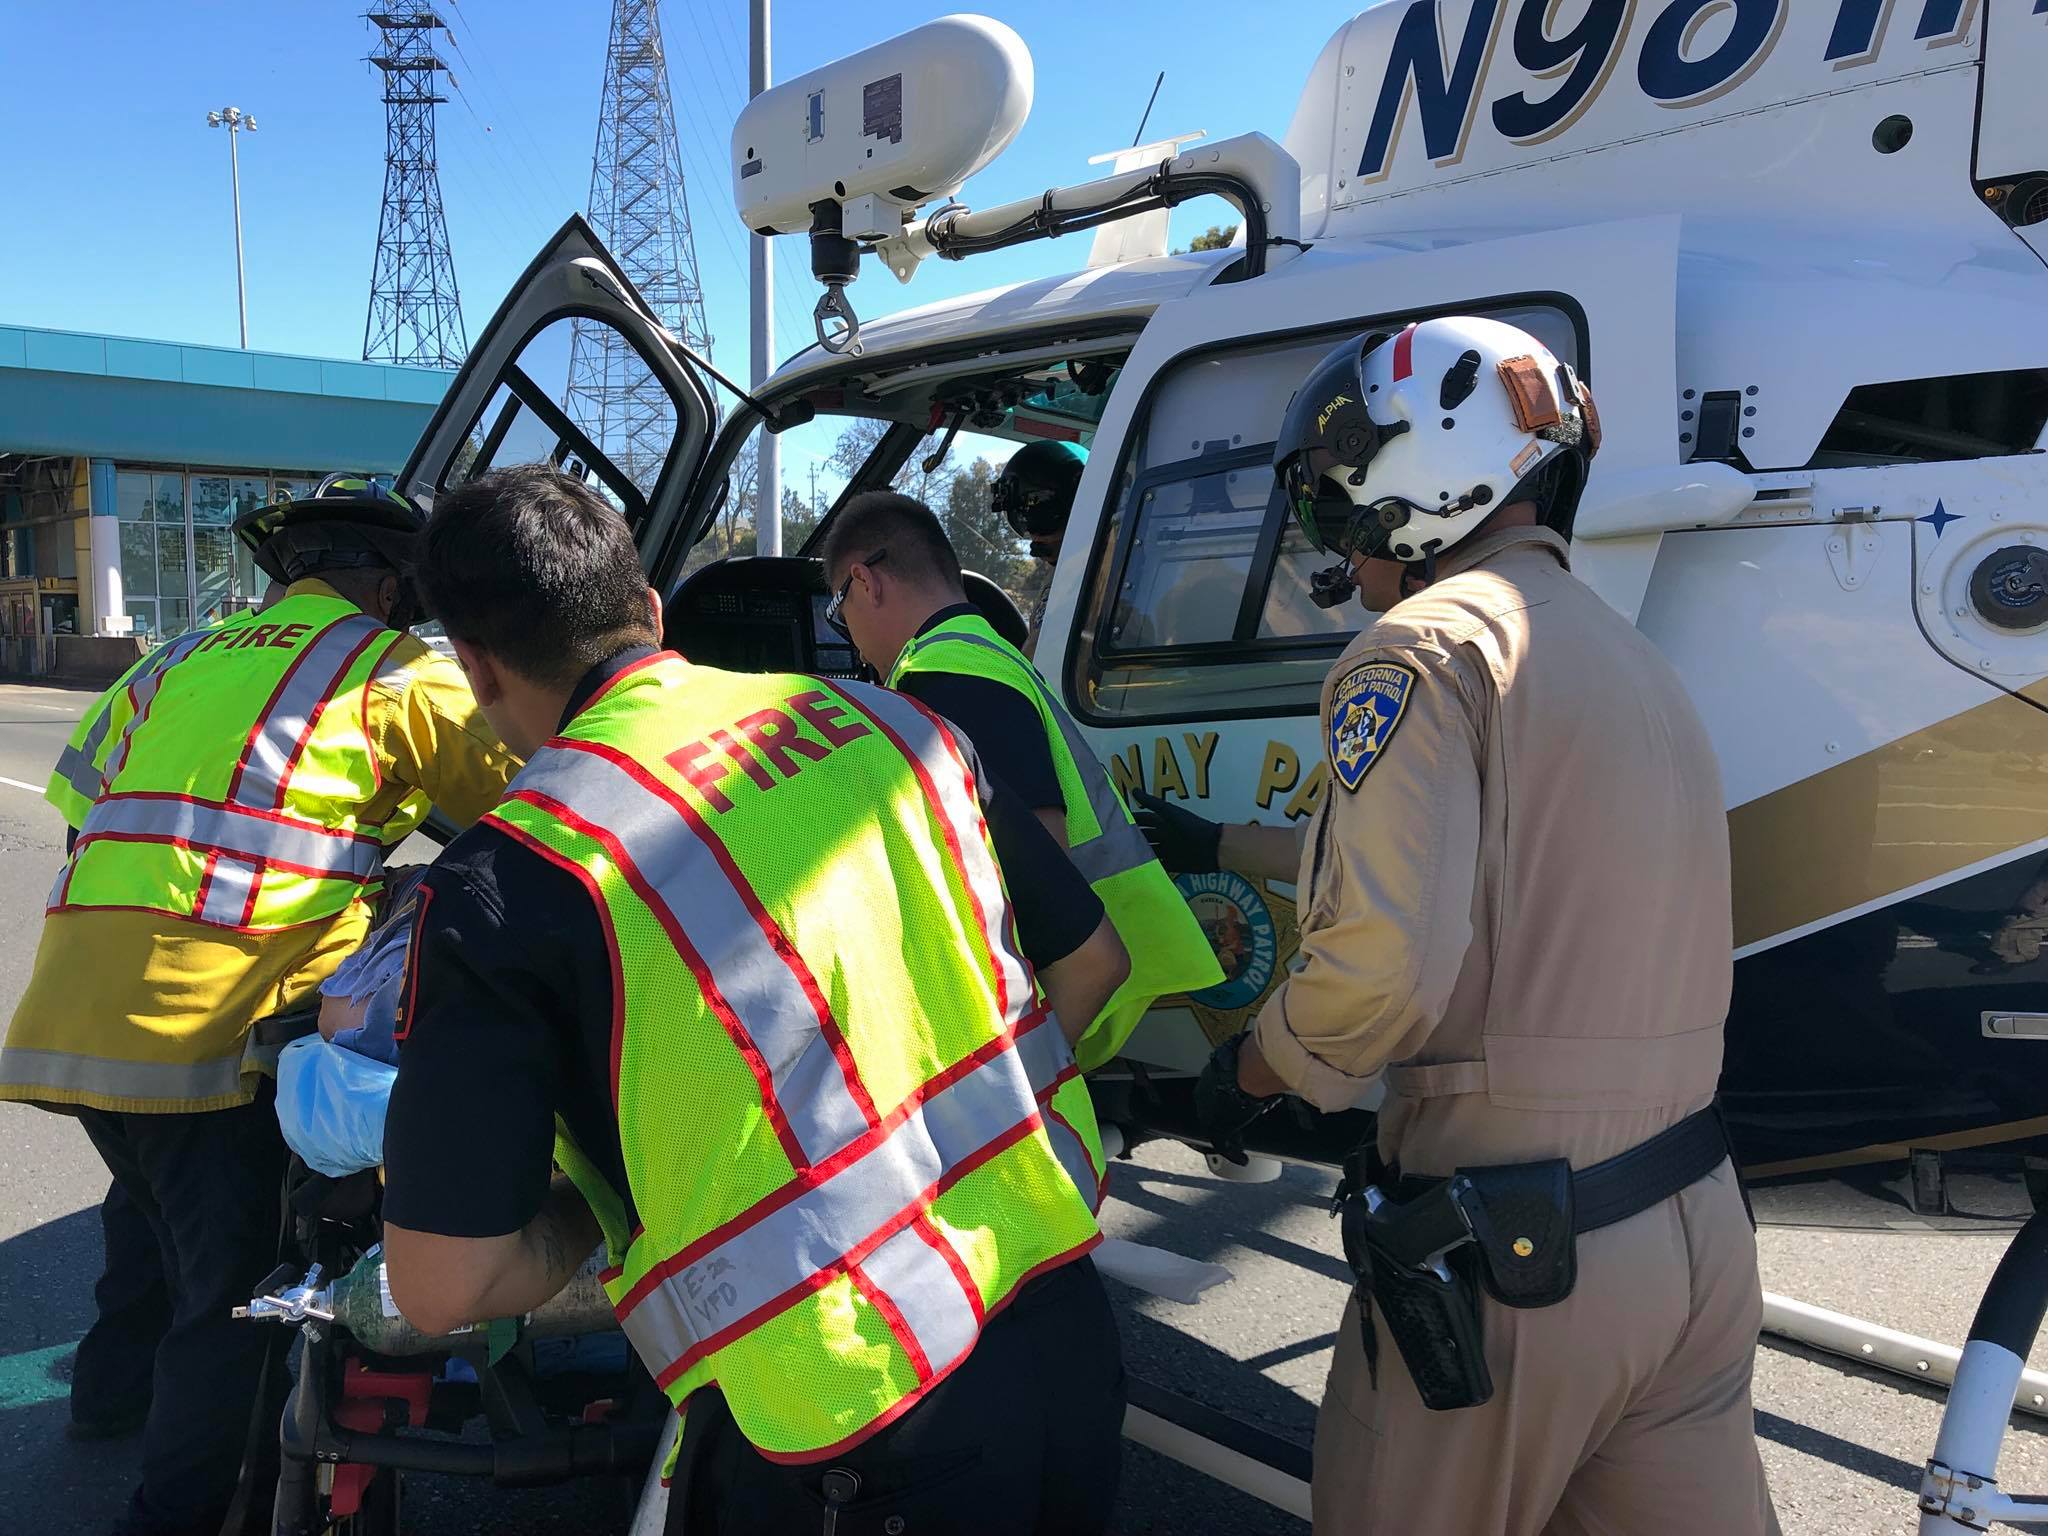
654, 613
870, 581
485, 681
388, 589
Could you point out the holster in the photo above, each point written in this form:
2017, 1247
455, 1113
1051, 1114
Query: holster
1422, 1248
1422, 1260
1432, 1313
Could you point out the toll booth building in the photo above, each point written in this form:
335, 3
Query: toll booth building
123, 464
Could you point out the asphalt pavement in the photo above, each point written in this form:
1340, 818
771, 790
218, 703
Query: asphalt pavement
1843, 1446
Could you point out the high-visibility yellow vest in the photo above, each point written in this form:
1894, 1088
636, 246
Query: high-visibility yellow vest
829, 1061
1169, 952
218, 785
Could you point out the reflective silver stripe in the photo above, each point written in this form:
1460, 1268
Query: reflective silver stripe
1073, 1155
914, 728
397, 675
314, 677
91, 781
230, 830
142, 690
702, 903
97, 732
926, 1292
792, 1243
230, 892
69, 1071
657, 1334
1119, 845
1046, 1055
76, 770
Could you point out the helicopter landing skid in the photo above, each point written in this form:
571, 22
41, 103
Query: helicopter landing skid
1959, 1490
1884, 1349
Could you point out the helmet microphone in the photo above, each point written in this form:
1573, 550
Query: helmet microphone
1331, 585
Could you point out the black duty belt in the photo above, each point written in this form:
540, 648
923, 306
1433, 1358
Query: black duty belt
1424, 1249
1649, 1174
1630, 1182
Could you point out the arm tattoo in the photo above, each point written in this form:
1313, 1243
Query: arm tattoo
556, 1236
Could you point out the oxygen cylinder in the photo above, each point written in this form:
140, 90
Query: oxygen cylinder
363, 1306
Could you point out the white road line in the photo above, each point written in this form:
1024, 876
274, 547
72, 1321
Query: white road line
55, 709
34, 789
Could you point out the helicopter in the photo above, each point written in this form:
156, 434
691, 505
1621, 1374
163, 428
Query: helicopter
1801, 256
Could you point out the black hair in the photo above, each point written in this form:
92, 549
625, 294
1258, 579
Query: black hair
538, 569
1555, 487
907, 528
358, 583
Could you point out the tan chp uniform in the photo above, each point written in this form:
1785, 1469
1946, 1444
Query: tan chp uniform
1515, 912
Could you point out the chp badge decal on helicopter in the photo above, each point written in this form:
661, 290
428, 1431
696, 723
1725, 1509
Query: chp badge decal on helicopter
1365, 707
1251, 927
1240, 928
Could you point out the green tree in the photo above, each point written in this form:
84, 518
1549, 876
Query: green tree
857, 443
799, 520
857, 440
732, 531
1216, 237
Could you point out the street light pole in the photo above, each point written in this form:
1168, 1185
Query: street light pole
761, 274
231, 118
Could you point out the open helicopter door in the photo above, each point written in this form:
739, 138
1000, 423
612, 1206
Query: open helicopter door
576, 371
1179, 624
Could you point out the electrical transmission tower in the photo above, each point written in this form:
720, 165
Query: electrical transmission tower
415, 312
639, 210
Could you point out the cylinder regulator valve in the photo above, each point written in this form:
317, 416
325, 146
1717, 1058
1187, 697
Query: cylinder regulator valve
2009, 588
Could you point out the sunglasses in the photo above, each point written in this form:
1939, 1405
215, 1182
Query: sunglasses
833, 608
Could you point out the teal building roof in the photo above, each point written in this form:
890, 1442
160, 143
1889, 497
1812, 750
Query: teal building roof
115, 397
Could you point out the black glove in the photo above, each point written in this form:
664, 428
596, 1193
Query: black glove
1223, 1110
1186, 843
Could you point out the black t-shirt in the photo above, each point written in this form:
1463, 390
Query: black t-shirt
507, 1019
999, 720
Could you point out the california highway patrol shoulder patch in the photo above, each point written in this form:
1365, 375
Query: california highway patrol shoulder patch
1365, 706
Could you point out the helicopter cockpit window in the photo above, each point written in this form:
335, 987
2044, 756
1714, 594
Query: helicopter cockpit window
579, 397
1209, 570
941, 440
1199, 606
1077, 392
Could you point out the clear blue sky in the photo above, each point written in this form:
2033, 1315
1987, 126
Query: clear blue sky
119, 192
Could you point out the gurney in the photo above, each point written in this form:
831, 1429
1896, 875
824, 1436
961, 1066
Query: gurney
556, 1394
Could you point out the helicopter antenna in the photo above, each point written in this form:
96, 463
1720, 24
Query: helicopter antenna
1139, 137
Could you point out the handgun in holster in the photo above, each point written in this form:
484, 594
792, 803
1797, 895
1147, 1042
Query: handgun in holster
1423, 1249
1423, 1261
1411, 1269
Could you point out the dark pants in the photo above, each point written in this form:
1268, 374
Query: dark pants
116, 1359
208, 1187
1023, 1439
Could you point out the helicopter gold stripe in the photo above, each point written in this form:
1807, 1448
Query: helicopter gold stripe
1894, 1151
1958, 793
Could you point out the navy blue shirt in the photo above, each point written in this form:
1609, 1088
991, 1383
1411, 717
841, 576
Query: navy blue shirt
507, 1018
1005, 729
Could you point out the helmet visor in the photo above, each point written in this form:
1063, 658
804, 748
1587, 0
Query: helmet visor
1032, 511
1324, 513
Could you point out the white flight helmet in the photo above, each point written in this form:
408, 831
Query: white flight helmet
1402, 445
